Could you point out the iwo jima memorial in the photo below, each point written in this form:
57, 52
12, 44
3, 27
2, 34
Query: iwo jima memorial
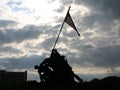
55, 72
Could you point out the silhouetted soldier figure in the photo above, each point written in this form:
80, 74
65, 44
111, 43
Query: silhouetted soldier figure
44, 70
57, 69
62, 68
54, 54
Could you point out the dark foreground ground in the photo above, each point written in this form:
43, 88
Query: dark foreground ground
108, 83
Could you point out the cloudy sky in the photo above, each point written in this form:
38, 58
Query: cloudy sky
28, 29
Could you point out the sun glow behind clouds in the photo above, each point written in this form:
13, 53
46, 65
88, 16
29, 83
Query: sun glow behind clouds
37, 10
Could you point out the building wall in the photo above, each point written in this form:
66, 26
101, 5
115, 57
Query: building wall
13, 76
2, 75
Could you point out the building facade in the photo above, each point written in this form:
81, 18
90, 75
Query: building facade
13, 76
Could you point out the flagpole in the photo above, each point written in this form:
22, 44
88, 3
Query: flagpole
60, 29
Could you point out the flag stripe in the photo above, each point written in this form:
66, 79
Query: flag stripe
70, 22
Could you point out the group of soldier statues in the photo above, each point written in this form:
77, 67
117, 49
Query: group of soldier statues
56, 69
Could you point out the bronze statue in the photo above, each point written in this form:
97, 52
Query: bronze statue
56, 69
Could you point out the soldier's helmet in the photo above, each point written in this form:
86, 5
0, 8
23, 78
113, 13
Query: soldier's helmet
36, 67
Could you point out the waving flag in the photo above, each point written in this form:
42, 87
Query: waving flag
70, 22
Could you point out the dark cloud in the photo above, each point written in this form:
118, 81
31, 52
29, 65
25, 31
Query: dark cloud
90, 19
103, 12
81, 57
24, 62
109, 7
88, 34
107, 56
103, 57
7, 23
48, 43
66, 2
19, 35
118, 33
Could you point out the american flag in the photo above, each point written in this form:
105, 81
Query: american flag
70, 22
